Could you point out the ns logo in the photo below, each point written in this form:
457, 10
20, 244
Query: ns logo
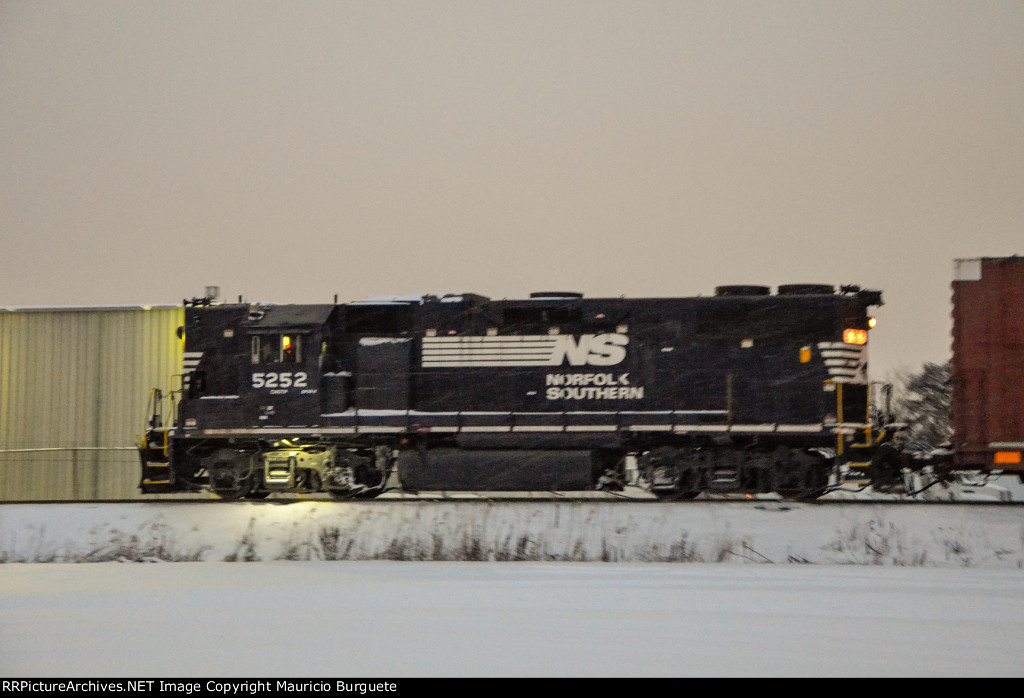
590, 350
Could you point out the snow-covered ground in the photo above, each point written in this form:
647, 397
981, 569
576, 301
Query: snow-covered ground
914, 535
805, 590
403, 619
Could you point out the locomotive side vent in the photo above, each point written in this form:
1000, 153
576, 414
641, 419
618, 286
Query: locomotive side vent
742, 290
806, 289
556, 294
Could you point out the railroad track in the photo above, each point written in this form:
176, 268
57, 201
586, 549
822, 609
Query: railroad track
526, 498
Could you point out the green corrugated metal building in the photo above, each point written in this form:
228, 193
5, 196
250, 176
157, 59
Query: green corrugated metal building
74, 388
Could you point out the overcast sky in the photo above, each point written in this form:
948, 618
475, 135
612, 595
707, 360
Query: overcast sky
290, 151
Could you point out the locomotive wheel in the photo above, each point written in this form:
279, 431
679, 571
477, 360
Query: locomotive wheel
371, 477
231, 475
886, 470
230, 487
799, 475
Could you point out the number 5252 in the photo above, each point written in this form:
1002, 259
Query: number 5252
286, 379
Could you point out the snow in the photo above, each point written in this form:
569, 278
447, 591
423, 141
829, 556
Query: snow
768, 589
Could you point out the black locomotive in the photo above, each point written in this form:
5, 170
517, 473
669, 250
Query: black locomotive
745, 391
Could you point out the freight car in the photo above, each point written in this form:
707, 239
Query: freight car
988, 364
744, 391
987, 401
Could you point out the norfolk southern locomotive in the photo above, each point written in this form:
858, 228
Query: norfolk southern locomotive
742, 392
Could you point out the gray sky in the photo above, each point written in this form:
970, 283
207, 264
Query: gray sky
290, 151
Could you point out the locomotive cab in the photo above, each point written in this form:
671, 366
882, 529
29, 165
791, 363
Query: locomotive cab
287, 347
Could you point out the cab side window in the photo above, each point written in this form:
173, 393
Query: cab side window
278, 348
291, 349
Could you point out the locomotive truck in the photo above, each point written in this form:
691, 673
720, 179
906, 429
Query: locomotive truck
744, 391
